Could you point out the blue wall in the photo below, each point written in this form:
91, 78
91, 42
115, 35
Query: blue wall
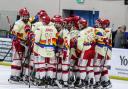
88, 15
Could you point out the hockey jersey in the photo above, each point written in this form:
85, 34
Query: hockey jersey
86, 39
63, 43
45, 40
73, 43
18, 29
100, 44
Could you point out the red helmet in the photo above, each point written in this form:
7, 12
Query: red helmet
42, 13
57, 16
76, 19
20, 12
27, 28
58, 20
105, 23
98, 23
68, 20
46, 19
25, 12
83, 22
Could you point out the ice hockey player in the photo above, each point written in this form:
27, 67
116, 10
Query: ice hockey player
45, 63
19, 36
105, 81
86, 44
58, 23
73, 53
37, 24
63, 49
101, 56
28, 67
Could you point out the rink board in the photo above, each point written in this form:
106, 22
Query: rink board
5, 46
119, 64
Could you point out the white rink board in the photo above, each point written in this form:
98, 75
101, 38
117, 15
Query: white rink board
119, 62
5, 45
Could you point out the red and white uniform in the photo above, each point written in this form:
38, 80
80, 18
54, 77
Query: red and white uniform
100, 52
86, 43
103, 51
108, 45
73, 52
45, 43
18, 50
73, 44
65, 35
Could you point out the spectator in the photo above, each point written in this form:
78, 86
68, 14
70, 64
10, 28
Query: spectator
120, 39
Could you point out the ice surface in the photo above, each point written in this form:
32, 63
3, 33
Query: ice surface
5, 73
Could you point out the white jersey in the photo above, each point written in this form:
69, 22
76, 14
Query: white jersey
74, 34
36, 25
100, 47
45, 41
86, 37
18, 29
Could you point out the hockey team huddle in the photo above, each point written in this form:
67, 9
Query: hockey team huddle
63, 52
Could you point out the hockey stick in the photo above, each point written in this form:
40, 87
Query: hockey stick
28, 59
8, 20
29, 67
6, 54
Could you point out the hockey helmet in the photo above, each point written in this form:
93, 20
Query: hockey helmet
46, 19
82, 23
105, 23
